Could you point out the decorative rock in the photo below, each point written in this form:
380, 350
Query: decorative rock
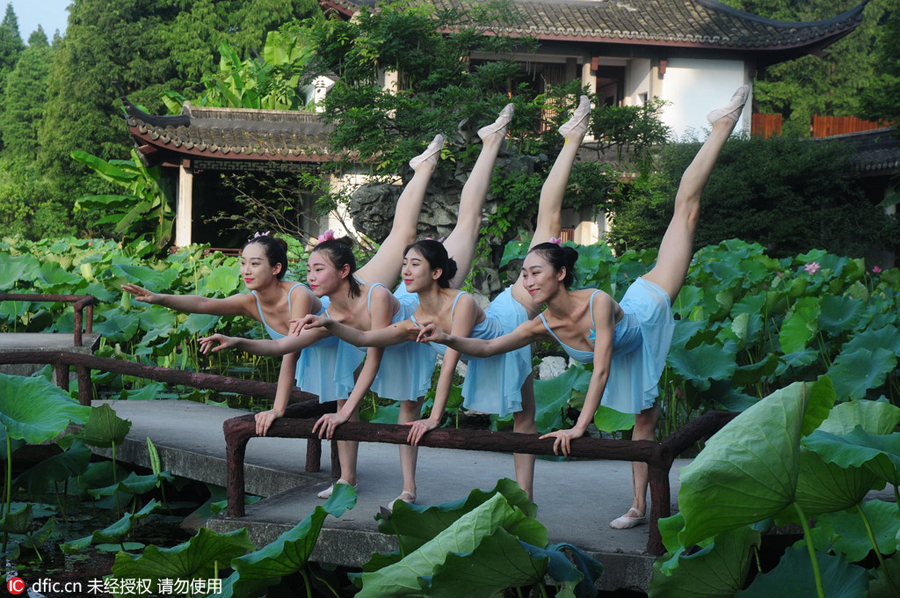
551, 367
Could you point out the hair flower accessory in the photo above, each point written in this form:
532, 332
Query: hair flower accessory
328, 235
258, 234
555, 240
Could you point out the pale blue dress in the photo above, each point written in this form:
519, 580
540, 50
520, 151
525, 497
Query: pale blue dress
494, 384
406, 369
275, 335
640, 346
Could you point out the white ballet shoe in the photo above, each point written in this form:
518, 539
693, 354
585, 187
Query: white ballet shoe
431, 153
502, 122
578, 124
627, 521
734, 107
327, 491
405, 496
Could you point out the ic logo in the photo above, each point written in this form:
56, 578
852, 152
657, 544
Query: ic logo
15, 585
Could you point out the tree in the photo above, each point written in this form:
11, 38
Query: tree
788, 194
881, 100
149, 47
22, 100
830, 85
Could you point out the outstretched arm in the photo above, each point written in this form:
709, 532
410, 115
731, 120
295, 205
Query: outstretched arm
604, 317
264, 347
379, 337
525, 333
235, 305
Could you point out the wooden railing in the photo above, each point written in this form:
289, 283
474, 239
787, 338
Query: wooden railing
83, 304
300, 417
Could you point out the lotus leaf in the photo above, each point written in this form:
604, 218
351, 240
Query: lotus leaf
104, 429
879, 453
290, 552
703, 363
18, 521
133, 484
194, 559
415, 525
793, 576
825, 487
800, 326
38, 479
858, 371
158, 281
553, 397
610, 420
850, 536
717, 570
114, 533
499, 561
33, 410
18, 269
840, 314
407, 577
748, 470
875, 417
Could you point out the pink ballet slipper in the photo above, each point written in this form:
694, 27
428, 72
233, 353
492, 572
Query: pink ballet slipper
732, 110
578, 124
431, 153
500, 124
628, 521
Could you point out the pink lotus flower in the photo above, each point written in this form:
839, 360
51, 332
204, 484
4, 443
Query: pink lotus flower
876, 270
812, 267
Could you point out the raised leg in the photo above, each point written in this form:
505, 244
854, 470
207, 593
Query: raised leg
384, 267
677, 246
523, 423
463, 239
553, 191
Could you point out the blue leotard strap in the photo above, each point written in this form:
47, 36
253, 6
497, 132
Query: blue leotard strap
262, 317
369, 296
576, 354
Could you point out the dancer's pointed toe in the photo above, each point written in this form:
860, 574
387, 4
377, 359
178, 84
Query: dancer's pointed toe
500, 125
431, 153
628, 521
578, 124
732, 110
406, 496
328, 491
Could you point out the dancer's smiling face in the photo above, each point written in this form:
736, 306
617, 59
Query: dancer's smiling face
322, 275
540, 278
256, 270
417, 272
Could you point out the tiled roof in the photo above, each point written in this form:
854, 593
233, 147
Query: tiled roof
232, 133
877, 152
691, 23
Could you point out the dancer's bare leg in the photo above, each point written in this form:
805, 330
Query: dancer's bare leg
348, 451
384, 267
523, 423
552, 192
409, 411
677, 246
463, 239
671, 267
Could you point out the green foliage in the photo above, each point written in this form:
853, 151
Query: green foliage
146, 206
781, 458
881, 99
787, 194
830, 85
22, 102
478, 546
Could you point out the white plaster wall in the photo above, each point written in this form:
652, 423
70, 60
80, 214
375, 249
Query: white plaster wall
637, 81
694, 87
